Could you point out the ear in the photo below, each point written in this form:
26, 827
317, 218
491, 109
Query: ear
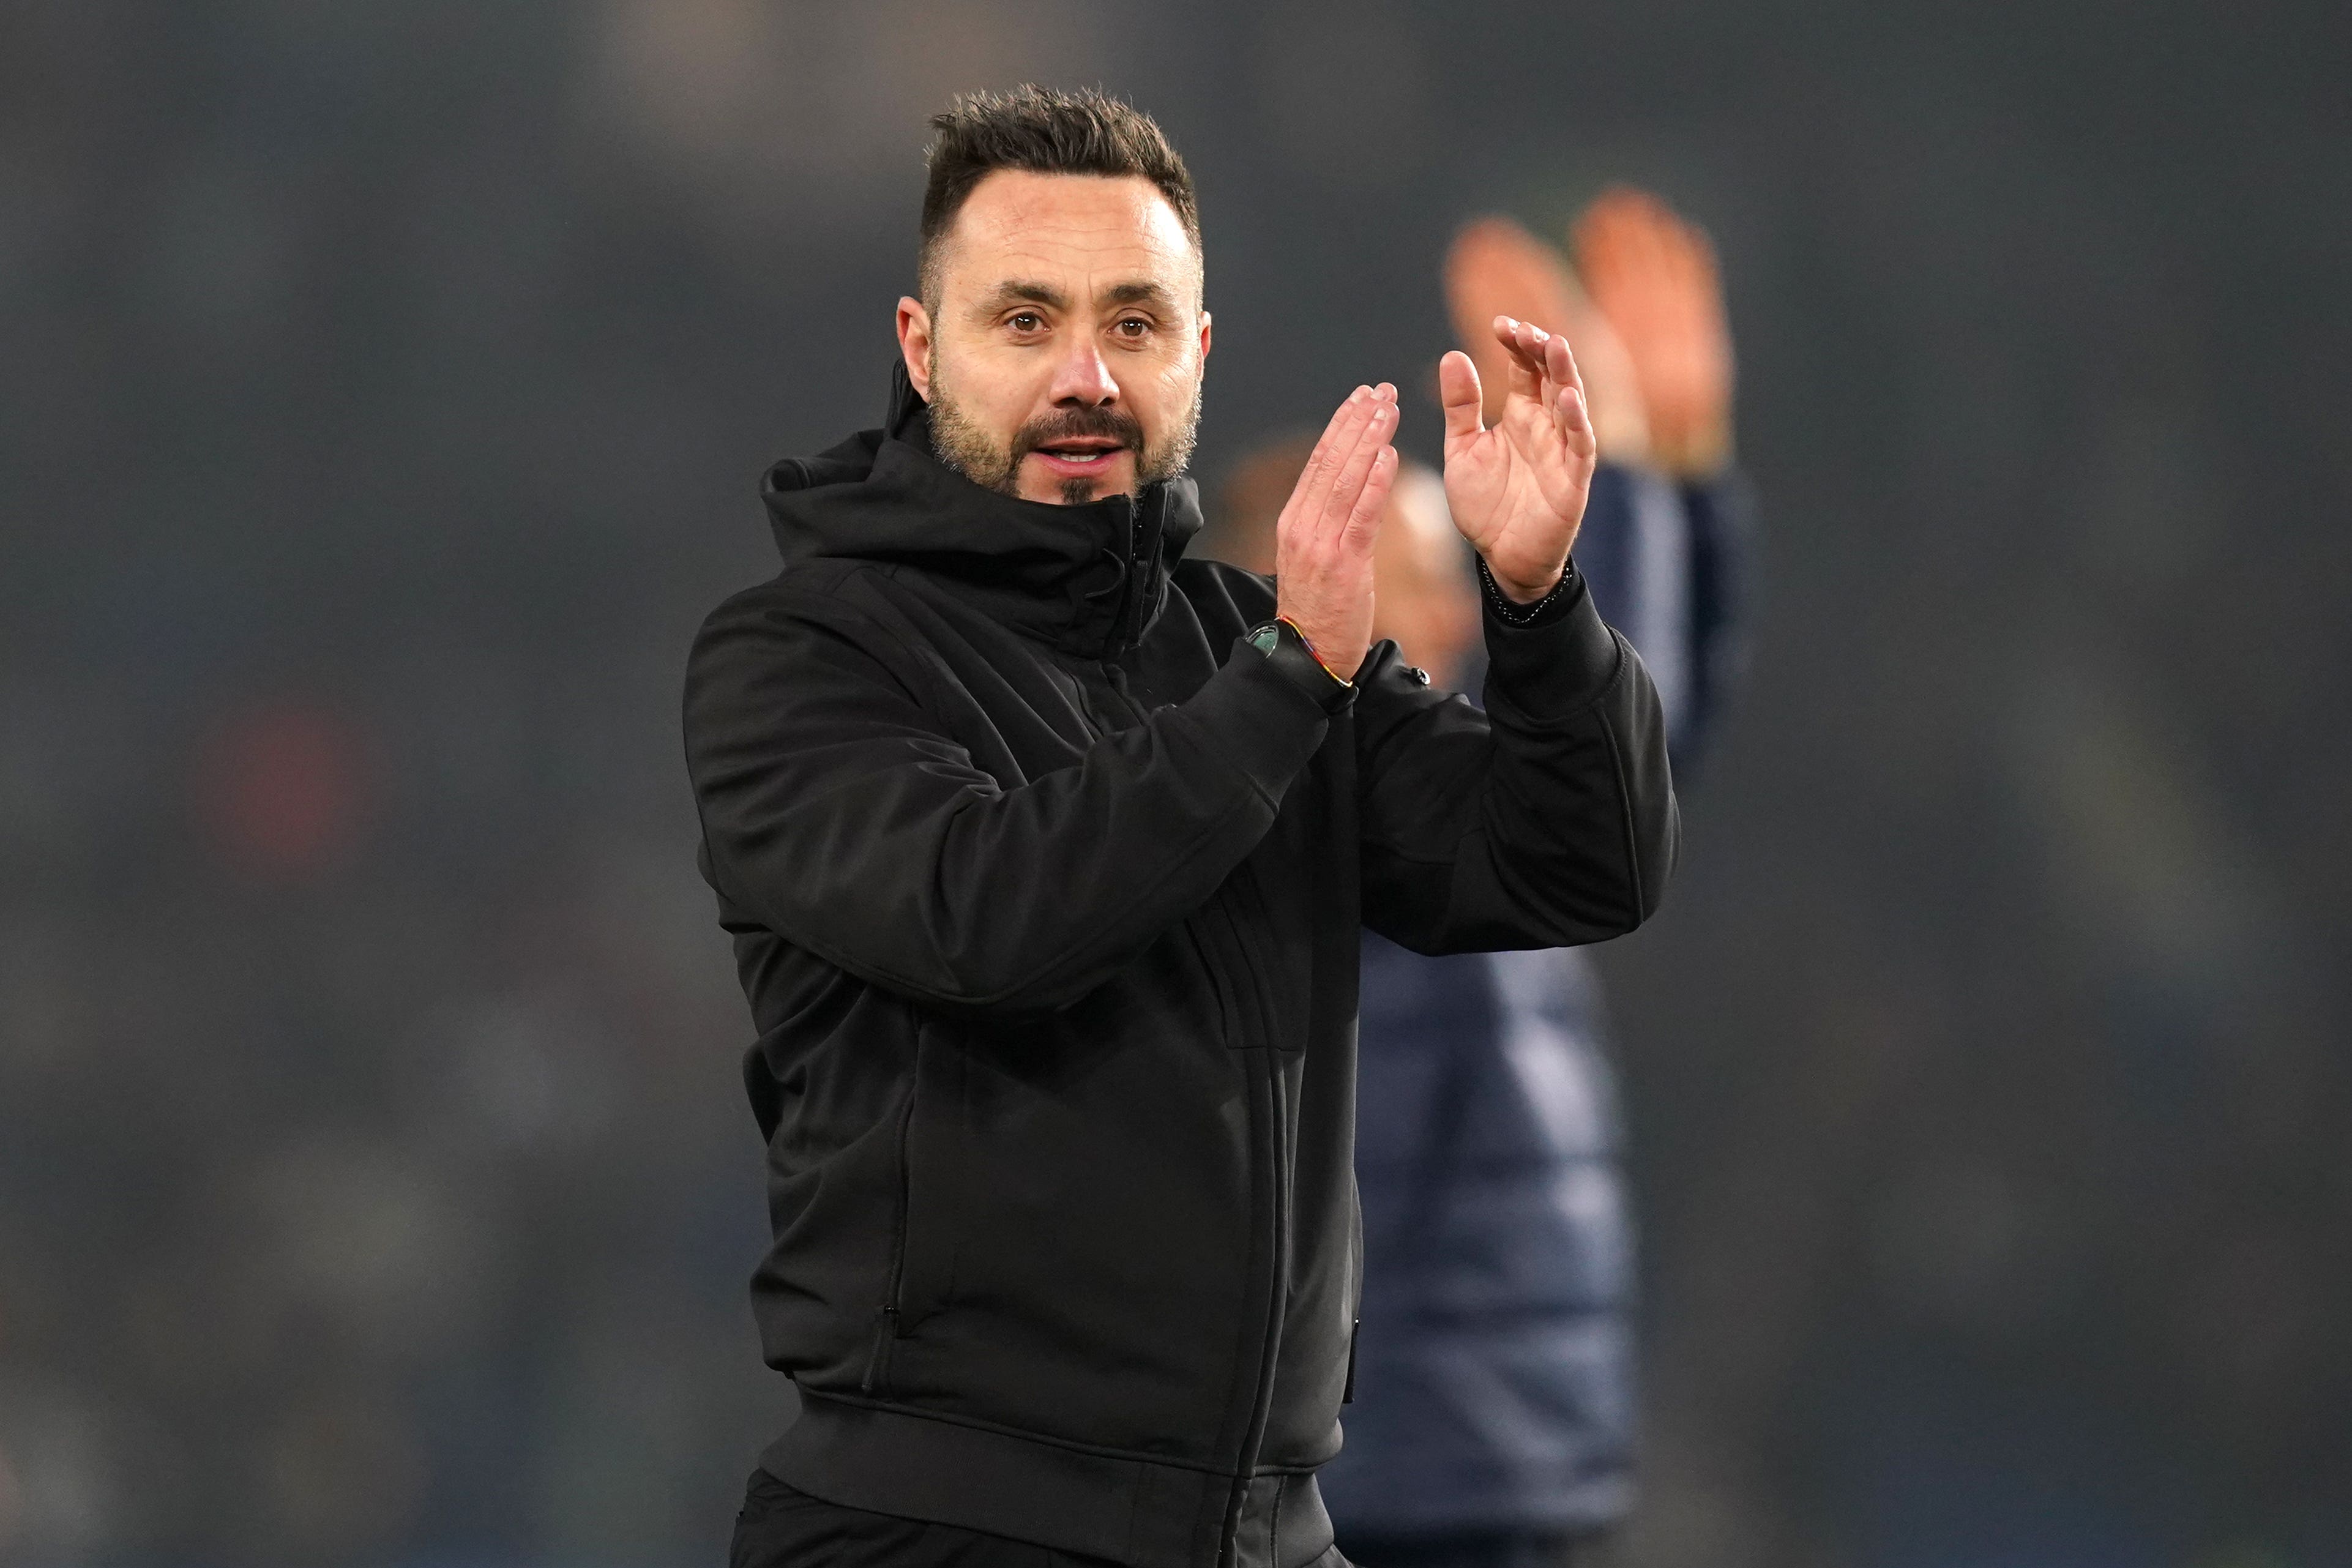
915, 345
1205, 337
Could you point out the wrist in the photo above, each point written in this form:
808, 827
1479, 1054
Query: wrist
1309, 643
1521, 592
1287, 650
1548, 606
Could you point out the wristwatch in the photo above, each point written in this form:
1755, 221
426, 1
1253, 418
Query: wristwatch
1295, 657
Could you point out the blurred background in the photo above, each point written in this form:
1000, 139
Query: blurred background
383, 395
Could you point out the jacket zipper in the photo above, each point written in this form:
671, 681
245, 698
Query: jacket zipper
1138, 563
1142, 545
1253, 1013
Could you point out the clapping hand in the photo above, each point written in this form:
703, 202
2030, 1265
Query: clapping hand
1323, 541
1516, 489
1494, 267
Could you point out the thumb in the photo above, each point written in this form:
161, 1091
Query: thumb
1457, 392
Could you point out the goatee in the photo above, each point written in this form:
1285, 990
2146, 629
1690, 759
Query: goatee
964, 445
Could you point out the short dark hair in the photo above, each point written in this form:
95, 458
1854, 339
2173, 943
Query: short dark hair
1048, 132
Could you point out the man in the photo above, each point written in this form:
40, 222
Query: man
1492, 1424
1045, 852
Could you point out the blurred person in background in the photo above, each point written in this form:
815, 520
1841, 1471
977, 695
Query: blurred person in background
1492, 1424
1045, 852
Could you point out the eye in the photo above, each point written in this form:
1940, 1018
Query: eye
1133, 327
1026, 321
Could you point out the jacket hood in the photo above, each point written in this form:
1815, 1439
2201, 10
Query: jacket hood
1089, 578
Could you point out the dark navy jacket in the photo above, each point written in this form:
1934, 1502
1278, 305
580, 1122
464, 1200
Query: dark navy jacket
1494, 1386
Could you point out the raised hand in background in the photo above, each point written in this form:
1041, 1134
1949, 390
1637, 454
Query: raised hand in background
1653, 276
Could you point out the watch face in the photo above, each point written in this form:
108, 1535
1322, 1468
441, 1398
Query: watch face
1265, 637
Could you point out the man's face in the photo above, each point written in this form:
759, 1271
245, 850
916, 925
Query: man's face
1061, 358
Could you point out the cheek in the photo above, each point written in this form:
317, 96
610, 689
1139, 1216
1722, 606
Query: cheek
1167, 390
999, 391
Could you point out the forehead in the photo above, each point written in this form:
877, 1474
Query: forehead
1082, 232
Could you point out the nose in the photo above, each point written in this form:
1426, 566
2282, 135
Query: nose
1082, 379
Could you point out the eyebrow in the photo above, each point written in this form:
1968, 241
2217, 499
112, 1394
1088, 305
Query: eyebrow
1018, 291
1138, 293
1021, 290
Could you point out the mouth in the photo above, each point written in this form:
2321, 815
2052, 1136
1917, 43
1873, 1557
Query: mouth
1079, 454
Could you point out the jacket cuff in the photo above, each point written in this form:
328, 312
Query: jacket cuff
1542, 612
1557, 662
1301, 665
1260, 718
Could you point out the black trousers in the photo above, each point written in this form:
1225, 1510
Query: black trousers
784, 1528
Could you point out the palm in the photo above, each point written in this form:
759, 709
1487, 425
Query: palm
1516, 489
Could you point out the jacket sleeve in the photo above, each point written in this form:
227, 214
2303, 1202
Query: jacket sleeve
840, 814
1545, 821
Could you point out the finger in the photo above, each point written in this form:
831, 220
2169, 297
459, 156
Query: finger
1348, 490
1458, 394
1561, 369
1325, 507
1314, 488
1573, 419
1572, 404
1379, 425
1363, 525
1536, 351
1522, 366
1558, 393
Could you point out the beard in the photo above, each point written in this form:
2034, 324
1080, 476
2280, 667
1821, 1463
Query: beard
970, 450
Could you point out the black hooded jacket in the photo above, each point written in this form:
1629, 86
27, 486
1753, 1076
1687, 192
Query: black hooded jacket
1045, 889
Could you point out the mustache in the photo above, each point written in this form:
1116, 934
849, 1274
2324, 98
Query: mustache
1113, 424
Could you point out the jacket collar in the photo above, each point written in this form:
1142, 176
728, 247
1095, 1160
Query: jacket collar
1088, 579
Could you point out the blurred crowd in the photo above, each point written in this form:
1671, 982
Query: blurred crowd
382, 395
